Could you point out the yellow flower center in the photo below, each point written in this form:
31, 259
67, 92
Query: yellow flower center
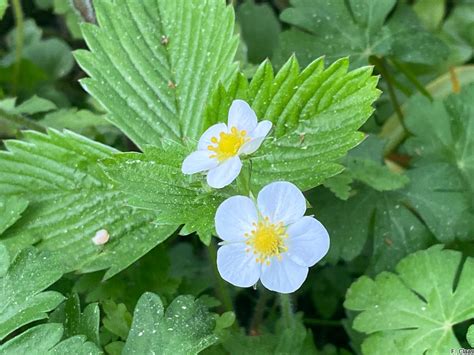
228, 144
267, 240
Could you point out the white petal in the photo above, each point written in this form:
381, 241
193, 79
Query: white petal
198, 161
256, 137
234, 218
242, 116
212, 131
223, 174
238, 266
308, 241
283, 275
281, 202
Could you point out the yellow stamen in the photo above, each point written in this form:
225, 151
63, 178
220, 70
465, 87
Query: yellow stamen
227, 145
267, 240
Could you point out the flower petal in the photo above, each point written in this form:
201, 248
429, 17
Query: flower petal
234, 218
242, 116
238, 266
223, 174
308, 241
212, 131
281, 202
198, 161
256, 137
283, 275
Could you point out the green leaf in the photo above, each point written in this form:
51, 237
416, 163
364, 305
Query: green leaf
70, 200
458, 31
117, 318
21, 299
185, 328
3, 7
46, 339
415, 309
430, 12
443, 149
153, 64
11, 209
260, 29
316, 113
76, 322
378, 220
357, 29
154, 181
470, 335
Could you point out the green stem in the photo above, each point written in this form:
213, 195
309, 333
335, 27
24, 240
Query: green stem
380, 65
19, 39
21, 121
325, 322
222, 290
410, 76
287, 310
259, 310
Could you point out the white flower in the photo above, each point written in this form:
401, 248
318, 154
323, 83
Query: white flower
272, 241
221, 145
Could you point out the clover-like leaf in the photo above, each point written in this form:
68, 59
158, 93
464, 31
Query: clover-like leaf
152, 64
185, 328
46, 339
21, 298
442, 145
357, 29
70, 200
414, 310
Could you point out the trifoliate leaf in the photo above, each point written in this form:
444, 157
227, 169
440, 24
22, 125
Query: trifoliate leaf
21, 299
70, 200
261, 39
152, 64
11, 209
443, 148
154, 181
414, 310
46, 339
185, 328
357, 29
316, 113
76, 322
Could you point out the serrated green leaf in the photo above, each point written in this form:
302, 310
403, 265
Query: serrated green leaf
260, 28
152, 64
357, 29
443, 148
21, 299
185, 328
70, 200
415, 310
46, 339
340, 185
154, 181
11, 209
117, 318
316, 113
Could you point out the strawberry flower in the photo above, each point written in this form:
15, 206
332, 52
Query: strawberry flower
271, 241
221, 145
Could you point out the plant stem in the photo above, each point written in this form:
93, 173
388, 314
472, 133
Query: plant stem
259, 310
19, 39
21, 121
382, 69
410, 76
287, 310
221, 288
325, 322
